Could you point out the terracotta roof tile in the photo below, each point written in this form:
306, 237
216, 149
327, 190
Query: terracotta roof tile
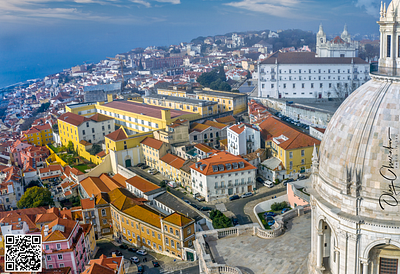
118, 135
274, 128
215, 124
142, 184
173, 160
151, 142
178, 219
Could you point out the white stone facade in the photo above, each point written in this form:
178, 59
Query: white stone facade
243, 139
336, 79
94, 132
354, 197
341, 46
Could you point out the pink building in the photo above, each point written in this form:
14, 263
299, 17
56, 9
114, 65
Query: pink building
297, 196
64, 245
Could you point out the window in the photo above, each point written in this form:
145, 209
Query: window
60, 256
160, 248
320, 85
176, 232
58, 246
312, 85
48, 258
172, 244
284, 85
302, 153
143, 240
330, 85
148, 232
290, 155
166, 241
109, 127
272, 85
50, 266
388, 45
302, 85
61, 265
47, 247
103, 212
159, 236
294, 85
171, 230
290, 165
178, 246
195, 137
303, 161
83, 132
153, 234
87, 124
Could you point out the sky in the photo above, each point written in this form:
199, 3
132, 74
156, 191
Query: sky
41, 37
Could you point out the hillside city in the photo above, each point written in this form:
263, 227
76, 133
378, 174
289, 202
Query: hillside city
150, 160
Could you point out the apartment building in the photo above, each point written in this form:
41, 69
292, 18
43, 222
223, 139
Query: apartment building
153, 150
227, 101
11, 187
64, 245
202, 107
170, 165
208, 132
290, 149
133, 116
243, 139
33, 156
222, 174
39, 135
75, 128
174, 134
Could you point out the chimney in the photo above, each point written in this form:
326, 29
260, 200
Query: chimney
166, 114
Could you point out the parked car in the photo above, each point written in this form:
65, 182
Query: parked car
141, 252
172, 184
134, 260
195, 206
260, 180
269, 214
144, 166
234, 197
268, 183
200, 198
235, 221
123, 246
140, 268
139, 165
272, 222
155, 263
132, 249
187, 201
247, 194
205, 208
302, 177
117, 252
284, 210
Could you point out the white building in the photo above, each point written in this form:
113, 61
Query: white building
341, 46
354, 194
222, 174
243, 139
304, 75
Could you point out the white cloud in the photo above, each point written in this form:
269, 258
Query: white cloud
170, 1
371, 6
142, 2
282, 8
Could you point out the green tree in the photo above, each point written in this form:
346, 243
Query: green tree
32, 184
95, 149
224, 86
70, 147
221, 73
35, 197
55, 128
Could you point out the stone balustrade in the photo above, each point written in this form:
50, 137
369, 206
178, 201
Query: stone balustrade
228, 232
268, 233
222, 269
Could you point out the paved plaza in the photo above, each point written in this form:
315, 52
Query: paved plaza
286, 254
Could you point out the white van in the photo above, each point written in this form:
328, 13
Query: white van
268, 183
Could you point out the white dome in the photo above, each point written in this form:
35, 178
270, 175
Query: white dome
353, 159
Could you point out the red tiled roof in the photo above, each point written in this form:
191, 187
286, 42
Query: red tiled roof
173, 160
72, 118
139, 108
222, 158
117, 135
239, 128
274, 128
151, 142
215, 124
142, 184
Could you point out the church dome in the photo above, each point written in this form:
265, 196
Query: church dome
358, 157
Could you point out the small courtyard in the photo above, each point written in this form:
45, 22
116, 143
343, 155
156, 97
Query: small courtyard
286, 254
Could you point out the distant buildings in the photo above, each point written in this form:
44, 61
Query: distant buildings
341, 46
39, 135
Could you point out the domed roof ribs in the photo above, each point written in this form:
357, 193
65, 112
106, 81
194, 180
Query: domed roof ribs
358, 168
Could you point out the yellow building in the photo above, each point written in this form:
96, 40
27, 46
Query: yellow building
170, 166
153, 150
227, 101
175, 133
142, 226
202, 107
75, 128
124, 149
133, 116
90, 239
291, 147
39, 135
